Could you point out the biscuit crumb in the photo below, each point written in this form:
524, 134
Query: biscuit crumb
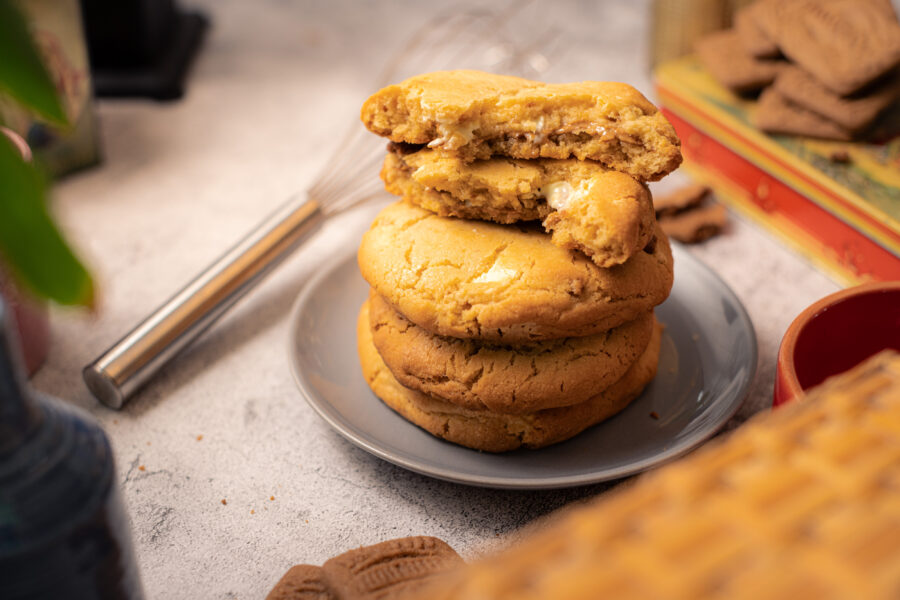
307, 521
681, 199
148, 443
252, 512
142, 468
224, 502
686, 215
271, 497
839, 156
199, 437
654, 415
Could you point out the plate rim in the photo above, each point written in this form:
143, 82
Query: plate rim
686, 445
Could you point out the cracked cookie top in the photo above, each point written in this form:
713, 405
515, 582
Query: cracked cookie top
496, 432
505, 379
477, 115
473, 279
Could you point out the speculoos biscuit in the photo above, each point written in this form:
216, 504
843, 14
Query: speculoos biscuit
302, 582
385, 571
752, 34
696, 225
727, 60
776, 114
844, 44
852, 113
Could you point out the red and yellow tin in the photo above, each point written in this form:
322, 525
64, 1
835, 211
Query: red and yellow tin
838, 203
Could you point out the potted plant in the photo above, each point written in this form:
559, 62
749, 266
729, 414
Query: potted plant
35, 259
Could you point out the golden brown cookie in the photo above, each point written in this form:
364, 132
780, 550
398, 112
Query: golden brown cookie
605, 214
479, 115
505, 379
494, 432
474, 279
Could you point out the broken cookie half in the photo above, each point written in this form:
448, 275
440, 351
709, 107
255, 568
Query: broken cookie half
605, 214
478, 115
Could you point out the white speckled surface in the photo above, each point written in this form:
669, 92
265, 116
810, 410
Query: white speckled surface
181, 182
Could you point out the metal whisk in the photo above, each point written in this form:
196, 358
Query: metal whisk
463, 40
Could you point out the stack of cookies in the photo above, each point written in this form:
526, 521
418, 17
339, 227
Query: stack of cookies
513, 286
829, 67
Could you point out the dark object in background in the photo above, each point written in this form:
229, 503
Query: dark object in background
141, 47
56, 30
63, 528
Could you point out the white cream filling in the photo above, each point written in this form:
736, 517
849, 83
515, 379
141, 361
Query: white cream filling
560, 195
539, 136
460, 134
495, 274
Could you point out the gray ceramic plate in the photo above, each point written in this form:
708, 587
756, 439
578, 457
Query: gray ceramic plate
707, 362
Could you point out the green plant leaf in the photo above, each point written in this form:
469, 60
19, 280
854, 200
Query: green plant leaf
30, 243
22, 72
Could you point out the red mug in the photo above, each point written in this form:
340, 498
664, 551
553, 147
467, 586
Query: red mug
835, 334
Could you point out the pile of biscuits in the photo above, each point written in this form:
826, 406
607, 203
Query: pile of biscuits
829, 67
513, 286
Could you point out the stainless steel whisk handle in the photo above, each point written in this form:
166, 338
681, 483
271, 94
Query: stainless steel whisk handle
134, 359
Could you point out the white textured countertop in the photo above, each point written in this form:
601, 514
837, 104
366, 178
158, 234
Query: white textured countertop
275, 85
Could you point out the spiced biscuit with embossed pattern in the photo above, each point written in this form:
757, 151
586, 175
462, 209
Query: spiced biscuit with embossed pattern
495, 432
696, 225
605, 214
724, 55
844, 44
302, 582
776, 114
683, 198
384, 571
853, 113
476, 115
752, 34
390, 570
474, 279
505, 379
